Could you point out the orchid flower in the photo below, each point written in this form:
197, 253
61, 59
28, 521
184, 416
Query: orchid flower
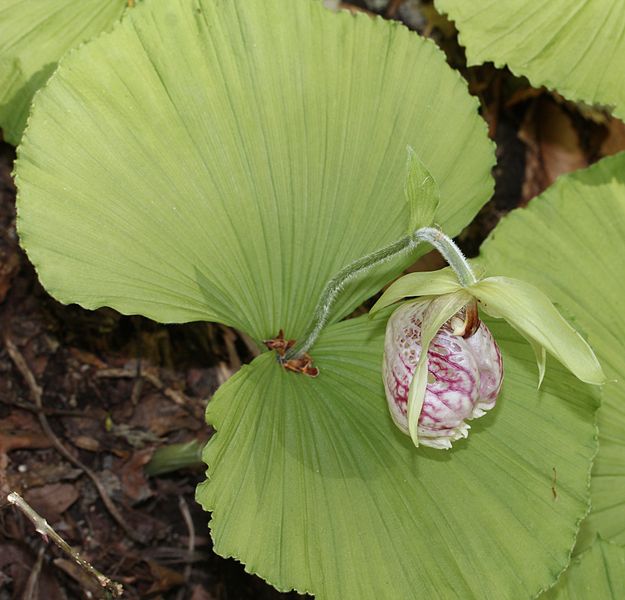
419, 332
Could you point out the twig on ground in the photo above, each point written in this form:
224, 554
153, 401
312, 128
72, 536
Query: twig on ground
36, 395
186, 515
53, 412
229, 339
33, 579
146, 374
392, 8
42, 527
250, 344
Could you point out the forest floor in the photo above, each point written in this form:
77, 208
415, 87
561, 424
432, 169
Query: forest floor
86, 398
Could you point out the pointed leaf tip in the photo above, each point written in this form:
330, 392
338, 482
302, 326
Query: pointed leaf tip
422, 192
531, 312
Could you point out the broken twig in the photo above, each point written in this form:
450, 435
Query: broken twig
42, 527
36, 394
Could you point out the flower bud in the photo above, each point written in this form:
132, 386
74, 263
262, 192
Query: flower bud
464, 375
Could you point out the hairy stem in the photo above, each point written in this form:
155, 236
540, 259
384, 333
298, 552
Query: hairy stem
444, 244
450, 252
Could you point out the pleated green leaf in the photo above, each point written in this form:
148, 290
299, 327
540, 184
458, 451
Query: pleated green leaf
33, 36
314, 488
599, 573
222, 160
576, 48
570, 242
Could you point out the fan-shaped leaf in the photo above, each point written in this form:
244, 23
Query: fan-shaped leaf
570, 243
33, 36
313, 487
577, 48
222, 160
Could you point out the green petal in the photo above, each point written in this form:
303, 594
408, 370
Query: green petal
33, 36
216, 160
531, 312
576, 48
424, 283
439, 311
597, 574
422, 193
313, 487
570, 242
541, 358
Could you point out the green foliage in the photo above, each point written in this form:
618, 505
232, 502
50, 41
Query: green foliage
223, 160
597, 573
577, 228
576, 48
33, 36
222, 164
314, 488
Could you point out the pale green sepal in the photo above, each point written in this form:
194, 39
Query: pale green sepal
438, 312
422, 192
426, 283
541, 357
531, 312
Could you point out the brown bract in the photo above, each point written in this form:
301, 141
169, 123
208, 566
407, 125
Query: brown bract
279, 344
302, 364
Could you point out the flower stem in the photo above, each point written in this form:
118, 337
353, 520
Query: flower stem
450, 252
443, 243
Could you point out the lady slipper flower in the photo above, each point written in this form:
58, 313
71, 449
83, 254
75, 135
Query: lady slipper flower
436, 379
463, 380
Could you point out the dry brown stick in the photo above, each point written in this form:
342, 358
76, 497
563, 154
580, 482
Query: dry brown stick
36, 394
229, 338
33, 579
53, 412
249, 343
186, 515
174, 395
42, 527
392, 8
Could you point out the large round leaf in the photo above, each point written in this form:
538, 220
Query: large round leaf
221, 160
33, 36
314, 488
570, 242
577, 48
599, 573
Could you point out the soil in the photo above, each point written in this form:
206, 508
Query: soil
86, 398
